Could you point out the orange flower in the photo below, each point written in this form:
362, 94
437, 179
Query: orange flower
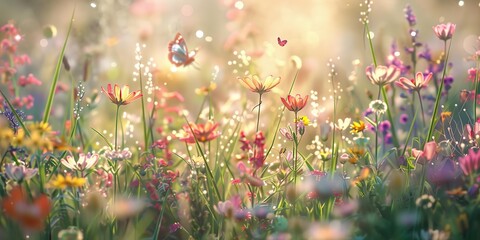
121, 96
255, 85
202, 132
296, 103
31, 215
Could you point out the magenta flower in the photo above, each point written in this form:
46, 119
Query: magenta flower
382, 75
444, 31
415, 84
470, 162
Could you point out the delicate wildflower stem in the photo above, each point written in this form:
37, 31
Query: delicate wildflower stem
475, 90
376, 140
384, 94
371, 45
116, 126
258, 114
144, 121
439, 94
421, 107
295, 160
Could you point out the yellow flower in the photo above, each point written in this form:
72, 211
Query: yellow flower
357, 127
203, 91
445, 115
40, 127
62, 182
255, 85
6, 137
303, 119
19, 138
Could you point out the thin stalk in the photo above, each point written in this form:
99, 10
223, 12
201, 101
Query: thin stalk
144, 121
421, 107
295, 161
439, 94
475, 91
371, 45
258, 114
384, 94
376, 141
116, 126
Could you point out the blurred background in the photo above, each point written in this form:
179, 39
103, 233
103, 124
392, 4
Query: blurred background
106, 32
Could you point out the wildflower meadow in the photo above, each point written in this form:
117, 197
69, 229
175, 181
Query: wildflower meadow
239, 119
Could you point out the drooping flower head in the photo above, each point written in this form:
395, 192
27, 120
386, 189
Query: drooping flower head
382, 75
254, 84
121, 96
203, 132
420, 81
296, 103
444, 31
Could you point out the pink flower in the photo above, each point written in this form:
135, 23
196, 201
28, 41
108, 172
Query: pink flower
428, 153
382, 75
202, 132
30, 79
22, 59
416, 84
296, 103
286, 133
444, 31
84, 161
470, 162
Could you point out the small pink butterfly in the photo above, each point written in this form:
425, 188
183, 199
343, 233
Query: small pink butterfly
281, 42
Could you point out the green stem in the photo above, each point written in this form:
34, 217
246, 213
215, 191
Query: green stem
371, 45
421, 107
475, 92
295, 160
376, 141
439, 94
144, 121
258, 114
116, 126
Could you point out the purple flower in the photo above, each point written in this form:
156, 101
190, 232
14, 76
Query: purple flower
403, 118
174, 227
384, 126
411, 19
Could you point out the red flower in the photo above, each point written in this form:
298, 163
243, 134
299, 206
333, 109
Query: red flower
296, 103
31, 215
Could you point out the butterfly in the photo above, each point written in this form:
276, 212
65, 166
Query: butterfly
281, 42
178, 52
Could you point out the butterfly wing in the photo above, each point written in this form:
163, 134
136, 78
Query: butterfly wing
281, 42
178, 52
